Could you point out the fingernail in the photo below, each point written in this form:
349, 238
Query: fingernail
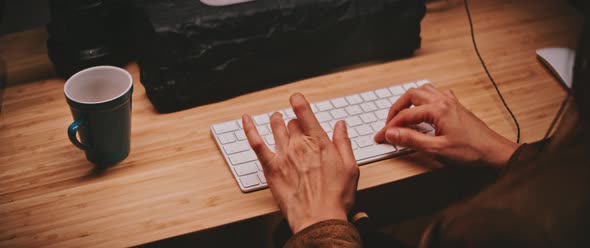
392, 134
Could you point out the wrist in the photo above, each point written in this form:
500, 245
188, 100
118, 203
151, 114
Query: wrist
498, 153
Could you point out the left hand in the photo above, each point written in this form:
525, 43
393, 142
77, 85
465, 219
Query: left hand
311, 178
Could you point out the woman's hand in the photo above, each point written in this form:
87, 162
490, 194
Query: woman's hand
311, 178
460, 135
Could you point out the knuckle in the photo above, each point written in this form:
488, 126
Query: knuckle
436, 147
299, 148
354, 171
442, 106
257, 145
433, 149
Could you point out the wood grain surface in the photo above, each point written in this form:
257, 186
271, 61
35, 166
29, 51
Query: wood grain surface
175, 180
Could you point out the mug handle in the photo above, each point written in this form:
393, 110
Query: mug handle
72, 130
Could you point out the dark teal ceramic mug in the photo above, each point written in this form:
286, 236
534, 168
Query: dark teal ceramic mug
100, 101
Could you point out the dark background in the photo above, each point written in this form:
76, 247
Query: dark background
20, 15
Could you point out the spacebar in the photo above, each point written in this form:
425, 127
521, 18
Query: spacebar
373, 151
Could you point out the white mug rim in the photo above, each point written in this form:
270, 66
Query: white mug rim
73, 78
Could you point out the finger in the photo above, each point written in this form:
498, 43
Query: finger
450, 94
256, 142
342, 142
414, 97
416, 115
279, 131
306, 119
294, 128
430, 88
413, 139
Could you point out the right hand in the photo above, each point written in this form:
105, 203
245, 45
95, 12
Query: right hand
311, 177
460, 135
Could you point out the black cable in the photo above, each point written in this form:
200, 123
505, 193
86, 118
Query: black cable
557, 116
489, 75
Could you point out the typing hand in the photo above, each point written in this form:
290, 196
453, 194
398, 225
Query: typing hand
311, 178
460, 135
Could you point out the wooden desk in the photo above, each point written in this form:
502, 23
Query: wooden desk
175, 180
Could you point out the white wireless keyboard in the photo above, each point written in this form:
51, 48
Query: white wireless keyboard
365, 114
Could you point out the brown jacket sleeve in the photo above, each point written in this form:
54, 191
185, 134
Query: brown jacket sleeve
522, 157
328, 233
540, 201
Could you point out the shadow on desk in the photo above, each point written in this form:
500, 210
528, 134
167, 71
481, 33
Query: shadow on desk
411, 198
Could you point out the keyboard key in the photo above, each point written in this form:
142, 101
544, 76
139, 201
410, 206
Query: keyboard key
383, 93
326, 126
354, 110
339, 102
353, 121
352, 133
333, 124
409, 86
262, 130
377, 126
324, 106
354, 145
397, 90
354, 99
262, 177
364, 141
240, 135
290, 113
226, 127
261, 119
314, 109
258, 165
383, 104
270, 139
373, 151
368, 117
239, 146
368, 107
323, 116
394, 99
382, 114
338, 113
249, 180
242, 157
245, 169
226, 138
369, 96
364, 130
